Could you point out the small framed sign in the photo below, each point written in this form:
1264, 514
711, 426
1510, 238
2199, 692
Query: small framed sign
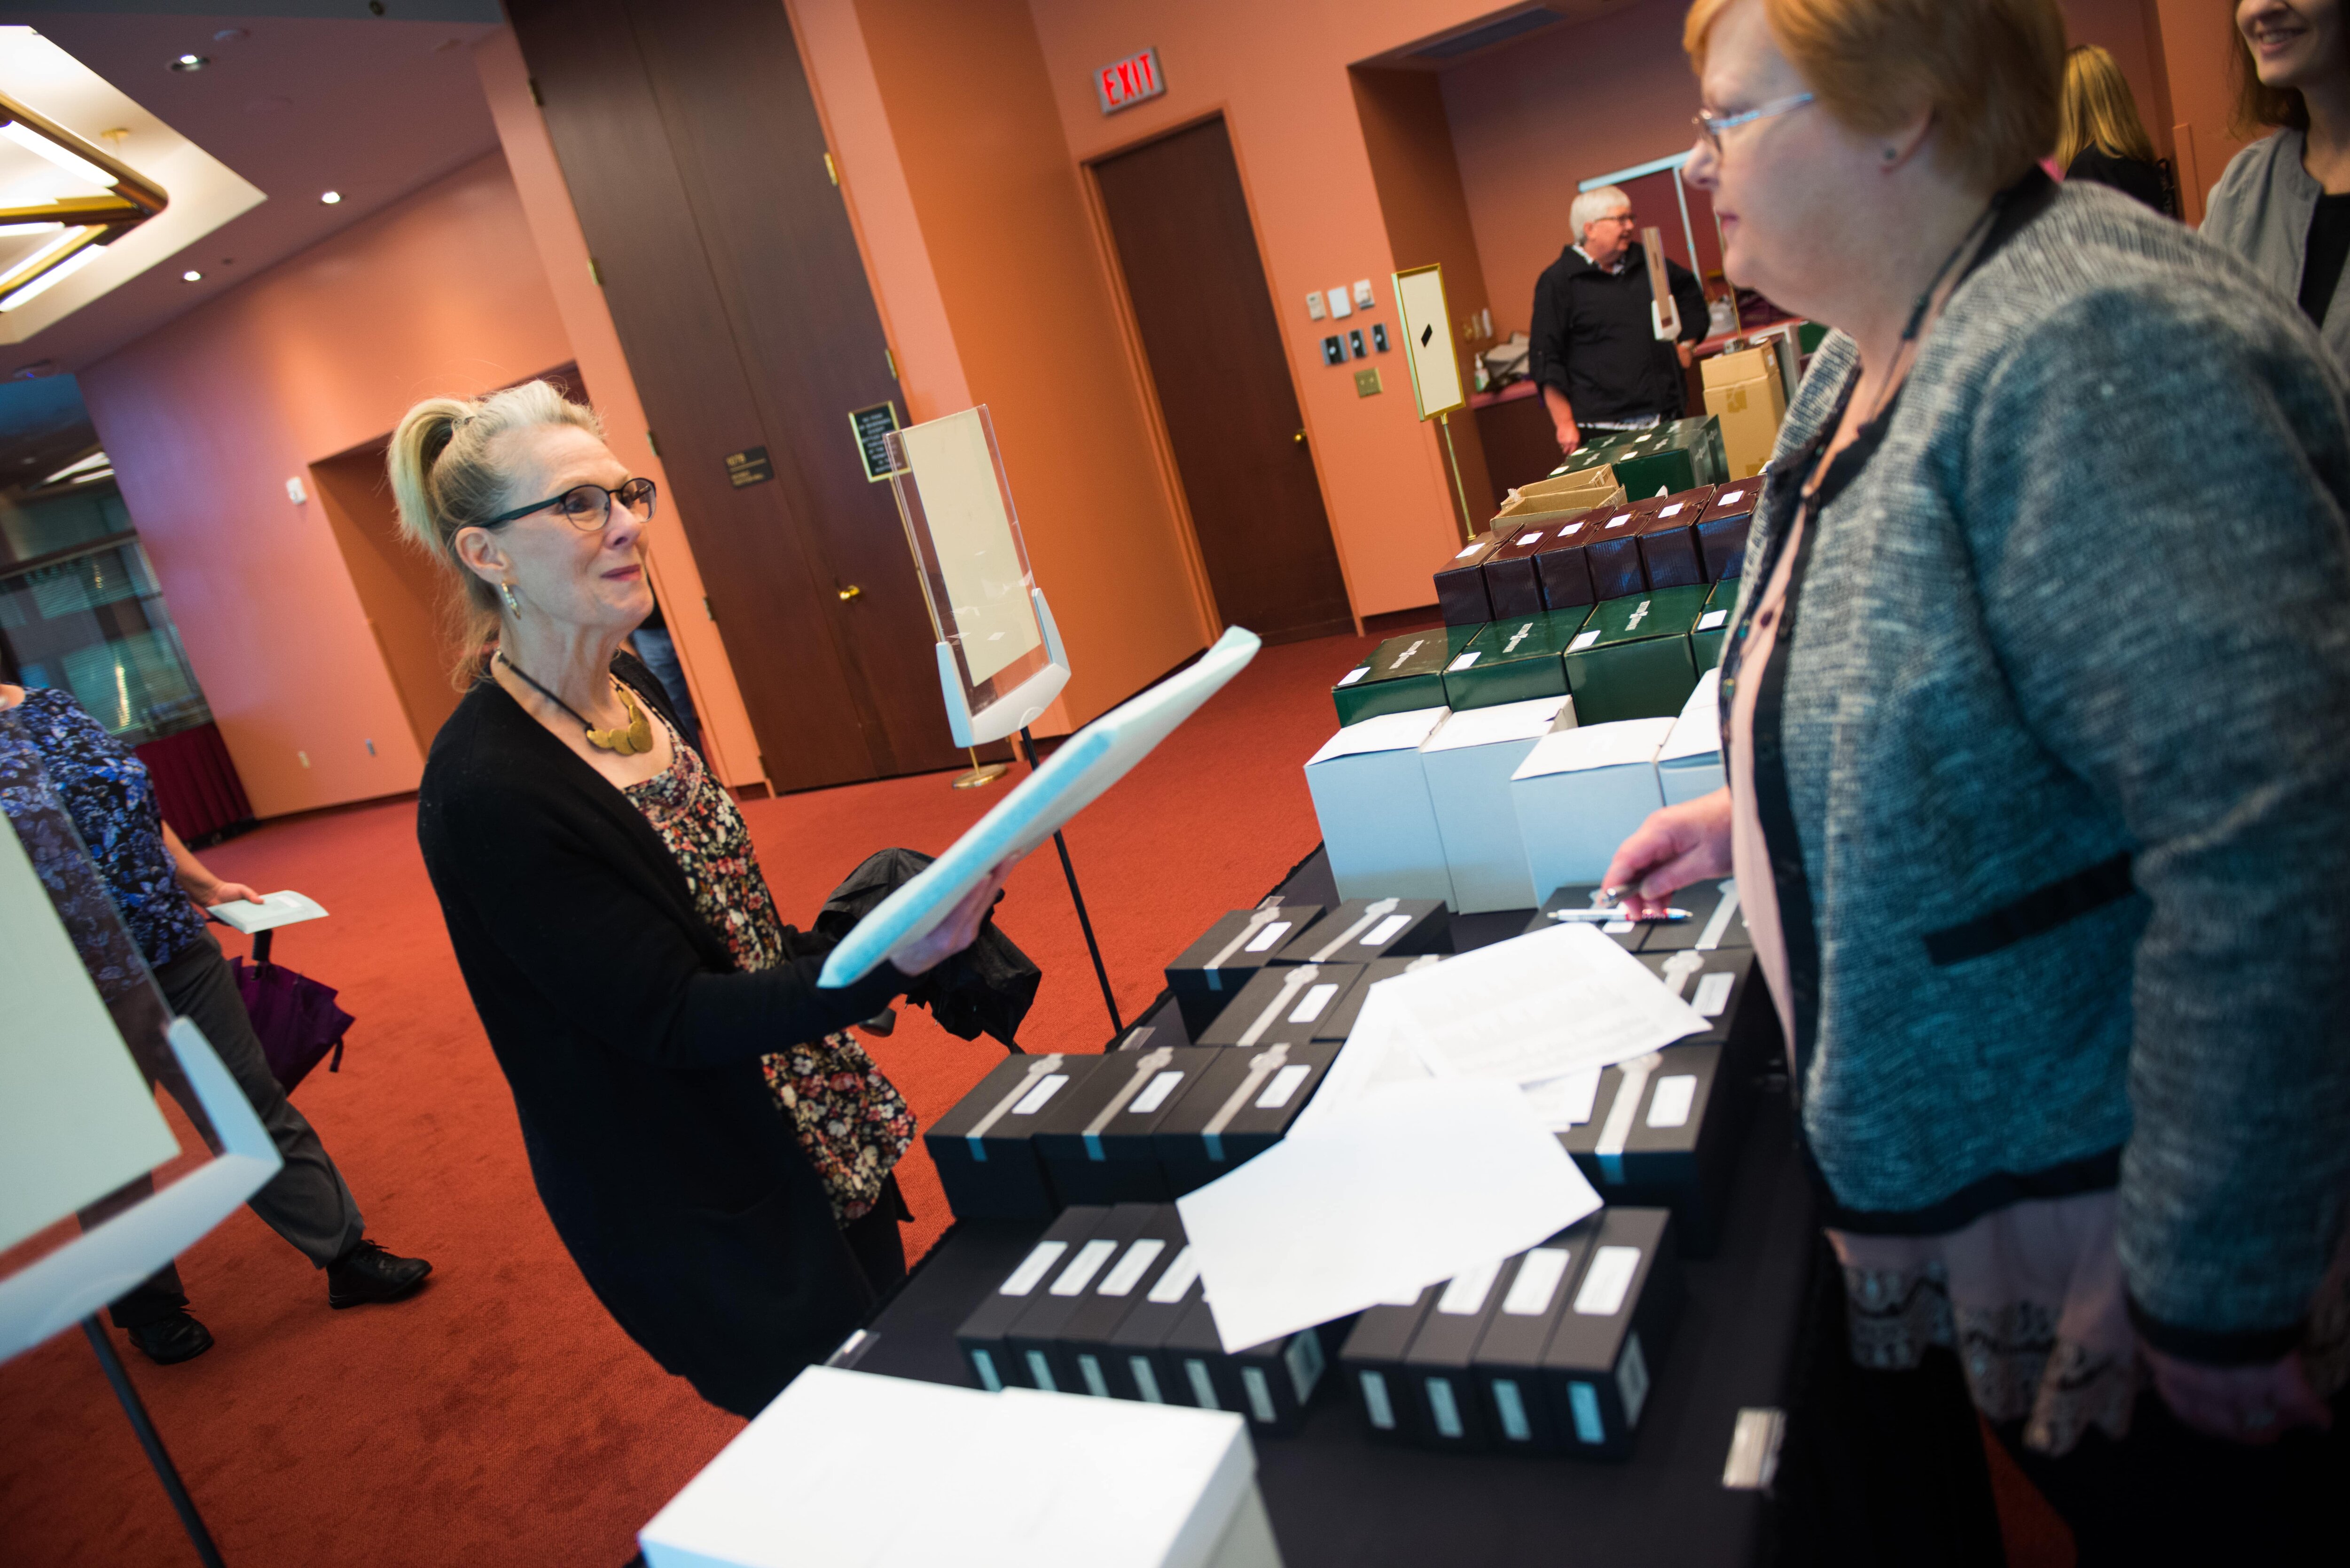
873, 426
749, 467
1124, 83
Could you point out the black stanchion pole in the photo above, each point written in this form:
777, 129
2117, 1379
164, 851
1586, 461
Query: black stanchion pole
1101, 971
149, 1439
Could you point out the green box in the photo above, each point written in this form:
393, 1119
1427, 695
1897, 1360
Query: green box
1403, 673
1672, 458
1712, 627
1513, 660
1632, 658
1592, 453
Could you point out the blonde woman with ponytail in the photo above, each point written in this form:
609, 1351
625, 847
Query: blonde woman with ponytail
2099, 136
712, 1146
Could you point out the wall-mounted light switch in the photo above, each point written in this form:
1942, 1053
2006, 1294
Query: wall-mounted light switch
1339, 306
1333, 351
1354, 341
1363, 295
1379, 336
1314, 307
294, 493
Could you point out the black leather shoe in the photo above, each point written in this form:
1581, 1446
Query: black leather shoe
369, 1273
171, 1340
882, 1023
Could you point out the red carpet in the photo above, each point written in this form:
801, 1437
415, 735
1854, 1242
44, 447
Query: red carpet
499, 1416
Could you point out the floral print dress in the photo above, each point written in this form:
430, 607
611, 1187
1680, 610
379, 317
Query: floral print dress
852, 1122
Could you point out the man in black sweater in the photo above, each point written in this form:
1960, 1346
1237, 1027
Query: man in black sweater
1596, 353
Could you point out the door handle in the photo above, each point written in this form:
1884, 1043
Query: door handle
1299, 438
850, 592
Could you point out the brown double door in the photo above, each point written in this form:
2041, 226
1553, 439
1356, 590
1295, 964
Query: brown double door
689, 143
1180, 224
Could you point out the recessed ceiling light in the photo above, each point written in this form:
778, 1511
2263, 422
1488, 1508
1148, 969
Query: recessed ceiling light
192, 275
331, 197
190, 63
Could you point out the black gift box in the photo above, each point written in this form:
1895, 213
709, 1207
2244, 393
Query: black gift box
1089, 1340
1512, 586
1721, 529
1669, 546
1437, 1366
1137, 1366
1507, 1365
1212, 971
1237, 1108
1094, 1138
981, 1336
1576, 896
1372, 1364
1033, 1341
1270, 1383
1710, 924
1339, 1021
1282, 1002
1614, 554
983, 1146
1560, 566
1461, 594
1727, 987
1615, 1332
1361, 930
1664, 1133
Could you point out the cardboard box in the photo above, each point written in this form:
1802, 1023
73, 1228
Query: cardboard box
1689, 763
1632, 658
1580, 793
1507, 1363
1214, 969
1614, 554
1566, 490
1664, 1133
1437, 1365
982, 1336
1238, 1108
1723, 527
1032, 1341
984, 1146
1372, 804
1511, 585
1361, 930
1673, 458
1615, 1332
1668, 539
1371, 1360
1513, 660
1468, 762
1745, 393
1402, 674
1096, 1140
1281, 1002
1086, 1339
1710, 635
1461, 585
1339, 1021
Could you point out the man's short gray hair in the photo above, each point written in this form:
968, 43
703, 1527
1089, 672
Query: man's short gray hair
1592, 206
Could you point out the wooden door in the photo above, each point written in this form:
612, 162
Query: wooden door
691, 147
1180, 225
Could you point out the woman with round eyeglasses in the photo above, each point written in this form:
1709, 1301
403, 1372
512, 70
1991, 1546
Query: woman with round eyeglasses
712, 1146
2036, 718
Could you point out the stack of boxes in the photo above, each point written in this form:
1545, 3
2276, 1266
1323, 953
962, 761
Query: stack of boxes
1746, 393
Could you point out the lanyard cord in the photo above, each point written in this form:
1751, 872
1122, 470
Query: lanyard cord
542, 691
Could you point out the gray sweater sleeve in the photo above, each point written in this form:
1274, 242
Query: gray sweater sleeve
2155, 505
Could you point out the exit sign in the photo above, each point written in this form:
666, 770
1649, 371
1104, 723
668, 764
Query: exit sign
1126, 82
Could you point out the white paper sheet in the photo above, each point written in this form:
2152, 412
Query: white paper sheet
1413, 1183
1563, 1103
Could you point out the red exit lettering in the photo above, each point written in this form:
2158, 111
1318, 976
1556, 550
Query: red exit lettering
1128, 81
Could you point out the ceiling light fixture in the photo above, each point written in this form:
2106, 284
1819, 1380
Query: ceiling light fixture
192, 275
37, 227
191, 63
42, 147
116, 201
330, 197
51, 278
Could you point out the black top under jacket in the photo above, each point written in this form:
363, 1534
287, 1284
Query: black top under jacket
2130, 176
632, 1044
1593, 340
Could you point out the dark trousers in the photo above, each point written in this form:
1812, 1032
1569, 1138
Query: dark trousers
306, 1202
873, 1240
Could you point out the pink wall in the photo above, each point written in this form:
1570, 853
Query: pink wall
207, 418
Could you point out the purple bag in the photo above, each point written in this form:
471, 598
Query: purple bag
295, 1016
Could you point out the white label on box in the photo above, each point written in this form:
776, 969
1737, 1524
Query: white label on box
1387, 930
1465, 1296
1407, 653
1033, 1100
1668, 511
1316, 1003
1466, 660
1084, 1267
1618, 928
1441, 1407
1265, 940
1713, 993
1176, 1283
1154, 1094
1513, 1408
1537, 1282
1585, 1400
1303, 1356
1632, 1380
1619, 520
1260, 1395
1375, 1404
1570, 528
1146, 1381
1732, 499
1464, 554
1581, 640
1285, 1084
1354, 675
1712, 618
1404, 1300
1091, 1370
1139, 1257
1524, 539
1606, 1280
1669, 1106
1203, 1388
1033, 1267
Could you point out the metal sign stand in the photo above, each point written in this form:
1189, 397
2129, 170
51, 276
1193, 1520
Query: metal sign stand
152, 1441
1467, 523
1085, 922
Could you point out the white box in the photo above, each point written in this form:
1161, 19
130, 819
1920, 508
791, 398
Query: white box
1372, 801
1689, 763
1580, 793
1468, 762
1040, 1481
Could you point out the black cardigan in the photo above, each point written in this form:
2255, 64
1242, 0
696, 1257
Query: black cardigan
632, 1044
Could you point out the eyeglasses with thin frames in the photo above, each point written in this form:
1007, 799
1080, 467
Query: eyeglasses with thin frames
1710, 125
588, 507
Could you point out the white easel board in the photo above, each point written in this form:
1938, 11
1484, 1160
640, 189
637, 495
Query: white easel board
1428, 341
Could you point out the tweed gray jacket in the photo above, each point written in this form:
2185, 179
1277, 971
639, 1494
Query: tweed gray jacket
2260, 210
2053, 759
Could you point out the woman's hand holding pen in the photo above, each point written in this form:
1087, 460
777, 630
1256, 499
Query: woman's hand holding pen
1675, 846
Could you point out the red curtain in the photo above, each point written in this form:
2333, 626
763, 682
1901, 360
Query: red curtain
195, 781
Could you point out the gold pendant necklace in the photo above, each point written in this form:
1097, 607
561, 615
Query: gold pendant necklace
629, 740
